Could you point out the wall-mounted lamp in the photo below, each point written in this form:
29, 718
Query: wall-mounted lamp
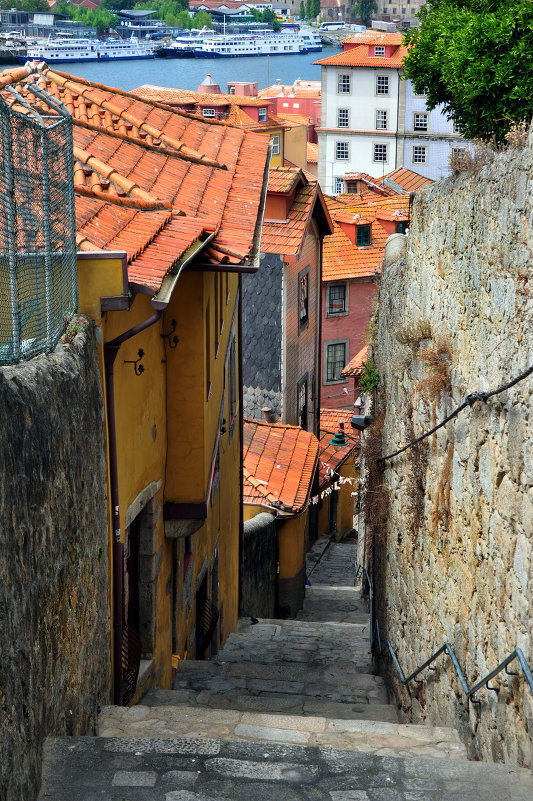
139, 368
173, 339
361, 421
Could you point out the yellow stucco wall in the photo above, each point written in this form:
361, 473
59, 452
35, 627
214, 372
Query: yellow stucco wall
291, 546
166, 432
296, 145
276, 160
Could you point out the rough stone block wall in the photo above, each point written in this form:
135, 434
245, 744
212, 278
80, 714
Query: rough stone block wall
54, 570
261, 337
455, 317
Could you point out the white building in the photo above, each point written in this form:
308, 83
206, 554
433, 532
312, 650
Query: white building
371, 122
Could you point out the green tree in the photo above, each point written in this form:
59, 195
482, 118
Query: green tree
363, 10
302, 9
202, 20
315, 8
309, 9
474, 56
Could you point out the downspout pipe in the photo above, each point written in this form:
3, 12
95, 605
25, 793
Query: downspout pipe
111, 350
241, 453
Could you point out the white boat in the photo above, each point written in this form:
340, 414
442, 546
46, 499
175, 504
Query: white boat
183, 46
61, 51
311, 39
240, 45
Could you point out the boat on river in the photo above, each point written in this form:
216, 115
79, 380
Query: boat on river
183, 46
241, 45
66, 51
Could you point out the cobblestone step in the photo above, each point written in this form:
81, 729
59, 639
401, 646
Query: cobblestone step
279, 703
202, 769
387, 739
340, 683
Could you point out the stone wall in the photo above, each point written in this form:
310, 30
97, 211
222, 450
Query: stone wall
455, 559
54, 580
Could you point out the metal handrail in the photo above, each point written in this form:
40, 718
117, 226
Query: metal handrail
446, 648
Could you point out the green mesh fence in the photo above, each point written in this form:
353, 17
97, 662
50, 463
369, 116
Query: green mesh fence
38, 267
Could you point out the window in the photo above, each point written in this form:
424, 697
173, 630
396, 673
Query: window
382, 84
362, 236
343, 118
343, 84
381, 120
380, 152
335, 360
456, 128
401, 227
303, 299
379, 50
339, 186
262, 114
337, 299
420, 122
419, 154
342, 150
301, 399
276, 144
208, 112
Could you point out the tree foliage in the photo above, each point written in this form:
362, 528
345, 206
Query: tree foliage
25, 5
101, 19
302, 9
474, 56
266, 16
363, 10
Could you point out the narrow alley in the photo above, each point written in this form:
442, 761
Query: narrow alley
289, 709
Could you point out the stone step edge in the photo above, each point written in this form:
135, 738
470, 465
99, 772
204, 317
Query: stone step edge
394, 739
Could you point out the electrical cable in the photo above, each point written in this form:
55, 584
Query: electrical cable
468, 401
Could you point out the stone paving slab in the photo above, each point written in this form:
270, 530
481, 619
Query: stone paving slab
137, 769
364, 735
291, 704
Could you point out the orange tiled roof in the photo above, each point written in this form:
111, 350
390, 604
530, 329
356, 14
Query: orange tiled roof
150, 180
408, 180
279, 465
312, 153
355, 365
331, 456
342, 259
286, 237
175, 97
374, 38
300, 88
358, 56
295, 119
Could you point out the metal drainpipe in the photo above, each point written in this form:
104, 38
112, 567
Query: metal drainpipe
111, 350
241, 455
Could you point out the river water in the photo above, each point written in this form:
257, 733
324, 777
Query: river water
188, 73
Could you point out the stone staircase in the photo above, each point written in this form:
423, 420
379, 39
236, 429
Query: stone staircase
288, 710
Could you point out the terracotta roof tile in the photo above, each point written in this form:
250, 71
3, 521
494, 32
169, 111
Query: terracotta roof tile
150, 180
342, 259
162, 94
355, 365
359, 57
330, 420
374, 38
286, 237
279, 465
332, 456
409, 180
312, 153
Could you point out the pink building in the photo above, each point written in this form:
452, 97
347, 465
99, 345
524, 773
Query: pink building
302, 98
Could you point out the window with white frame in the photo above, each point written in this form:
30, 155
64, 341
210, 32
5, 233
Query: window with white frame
343, 117
208, 112
382, 84
342, 150
380, 152
335, 360
337, 299
420, 153
343, 83
420, 121
276, 144
381, 120
339, 185
262, 114
379, 50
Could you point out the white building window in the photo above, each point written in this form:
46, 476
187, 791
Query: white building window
420, 121
380, 152
262, 114
379, 50
381, 120
343, 118
276, 144
382, 84
208, 112
342, 150
419, 154
343, 83
339, 185
456, 128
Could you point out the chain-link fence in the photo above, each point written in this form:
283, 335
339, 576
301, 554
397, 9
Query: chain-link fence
38, 269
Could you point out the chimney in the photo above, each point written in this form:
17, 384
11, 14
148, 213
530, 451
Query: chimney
267, 414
